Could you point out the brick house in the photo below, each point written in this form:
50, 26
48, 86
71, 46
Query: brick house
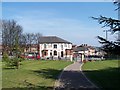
32, 48
83, 51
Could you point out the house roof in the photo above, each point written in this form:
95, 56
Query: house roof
76, 49
52, 39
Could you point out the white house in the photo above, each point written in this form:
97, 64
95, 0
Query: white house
52, 47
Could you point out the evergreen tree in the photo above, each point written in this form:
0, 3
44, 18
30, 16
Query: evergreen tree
110, 47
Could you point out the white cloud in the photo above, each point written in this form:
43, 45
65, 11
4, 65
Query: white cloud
69, 29
48, 23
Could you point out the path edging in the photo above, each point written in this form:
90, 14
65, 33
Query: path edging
86, 77
57, 80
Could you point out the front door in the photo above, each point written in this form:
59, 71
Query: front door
61, 53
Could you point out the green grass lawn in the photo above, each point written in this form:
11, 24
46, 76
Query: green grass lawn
105, 74
39, 75
0, 74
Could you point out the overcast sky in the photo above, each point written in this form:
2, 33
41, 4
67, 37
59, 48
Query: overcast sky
68, 20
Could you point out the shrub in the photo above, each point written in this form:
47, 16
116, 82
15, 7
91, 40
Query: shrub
6, 59
11, 62
15, 62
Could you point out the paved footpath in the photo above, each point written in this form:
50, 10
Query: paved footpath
72, 78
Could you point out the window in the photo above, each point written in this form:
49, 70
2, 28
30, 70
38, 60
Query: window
50, 53
61, 46
44, 45
61, 53
55, 46
68, 45
55, 53
45, 53
65, 45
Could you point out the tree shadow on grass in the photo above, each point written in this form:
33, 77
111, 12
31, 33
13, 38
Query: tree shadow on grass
72, 80
106, 79
45, 73
29, 86
8, 68
48, 73
70, 84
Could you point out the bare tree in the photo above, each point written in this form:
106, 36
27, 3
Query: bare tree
11, 37
0, 31
11, 34
31, 39
37, 36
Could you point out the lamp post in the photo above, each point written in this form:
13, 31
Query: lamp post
118, 3
106, 33
119, 18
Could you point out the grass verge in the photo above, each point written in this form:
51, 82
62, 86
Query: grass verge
0, 74
33, 74
105, 74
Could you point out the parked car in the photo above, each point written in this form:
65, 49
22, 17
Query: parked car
31, 55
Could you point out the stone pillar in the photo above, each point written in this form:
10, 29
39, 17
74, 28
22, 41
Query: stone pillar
82, 57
